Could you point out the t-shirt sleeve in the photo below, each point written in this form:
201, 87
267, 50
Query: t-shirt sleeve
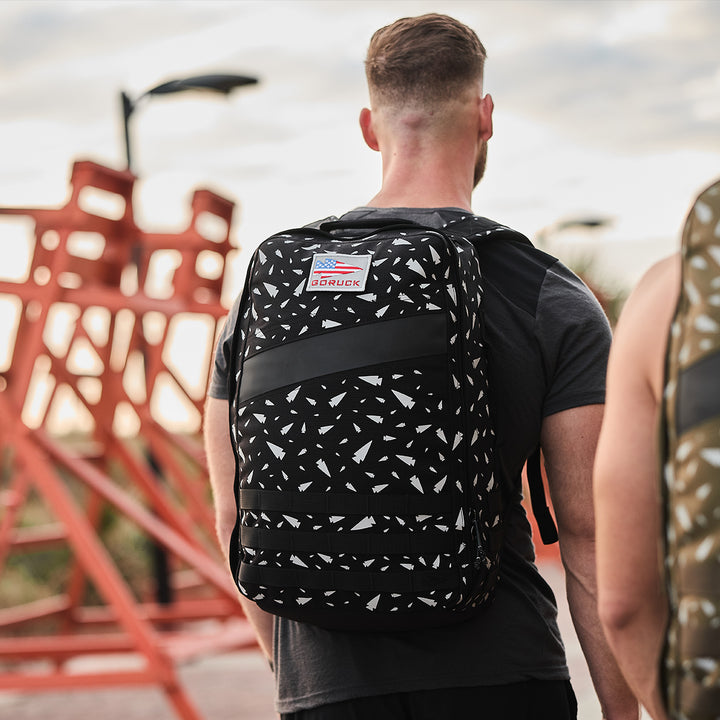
219, 380
575, 337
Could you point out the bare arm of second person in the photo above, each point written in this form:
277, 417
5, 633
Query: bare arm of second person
568, 440
221, 464
633, 606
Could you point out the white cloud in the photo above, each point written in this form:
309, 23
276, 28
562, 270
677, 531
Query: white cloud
639, 20
602, 107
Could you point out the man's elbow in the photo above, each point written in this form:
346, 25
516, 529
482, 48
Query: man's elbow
618, 612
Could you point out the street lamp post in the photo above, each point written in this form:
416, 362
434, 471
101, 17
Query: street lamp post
222, 84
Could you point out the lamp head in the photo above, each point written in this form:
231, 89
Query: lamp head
219, 83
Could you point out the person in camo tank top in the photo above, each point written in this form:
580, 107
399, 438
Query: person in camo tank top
657, 479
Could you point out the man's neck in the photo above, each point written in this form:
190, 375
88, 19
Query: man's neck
426, 190
442, 178
403, 200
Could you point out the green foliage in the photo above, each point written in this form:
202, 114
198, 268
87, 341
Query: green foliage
34, 574
31, 576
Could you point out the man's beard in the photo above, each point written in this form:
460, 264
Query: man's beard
480, 164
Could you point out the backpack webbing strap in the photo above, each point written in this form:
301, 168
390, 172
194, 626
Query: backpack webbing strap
353, 543
546, 524
696, 403
345, 503
350, 580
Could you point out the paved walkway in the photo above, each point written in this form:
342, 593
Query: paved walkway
237, 686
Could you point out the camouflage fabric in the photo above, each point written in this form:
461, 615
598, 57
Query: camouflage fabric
691, 487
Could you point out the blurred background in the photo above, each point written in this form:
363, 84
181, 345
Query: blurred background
604, 109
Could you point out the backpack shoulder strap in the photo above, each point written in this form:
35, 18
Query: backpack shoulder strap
477, 228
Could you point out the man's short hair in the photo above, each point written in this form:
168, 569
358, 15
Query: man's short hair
423, 60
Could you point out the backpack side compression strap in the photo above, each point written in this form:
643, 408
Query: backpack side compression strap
546, 524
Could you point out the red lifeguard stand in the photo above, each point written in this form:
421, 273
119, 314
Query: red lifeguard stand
98, 270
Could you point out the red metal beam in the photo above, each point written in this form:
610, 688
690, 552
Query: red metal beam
174, 509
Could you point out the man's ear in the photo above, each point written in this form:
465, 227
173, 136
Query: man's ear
368, 132
486, 121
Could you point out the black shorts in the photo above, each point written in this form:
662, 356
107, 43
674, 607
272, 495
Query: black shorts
529, 700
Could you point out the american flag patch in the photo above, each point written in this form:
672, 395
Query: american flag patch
331, 266
338, 273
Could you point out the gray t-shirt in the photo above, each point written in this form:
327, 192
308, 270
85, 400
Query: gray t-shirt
548, 340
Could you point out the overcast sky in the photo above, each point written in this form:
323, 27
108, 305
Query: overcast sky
603, 108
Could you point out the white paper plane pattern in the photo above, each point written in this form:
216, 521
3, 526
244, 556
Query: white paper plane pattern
416, 429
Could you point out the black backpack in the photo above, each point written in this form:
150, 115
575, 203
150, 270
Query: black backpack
360, 419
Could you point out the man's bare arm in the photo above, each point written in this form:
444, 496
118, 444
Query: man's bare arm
568, 441
633, 605
221, 464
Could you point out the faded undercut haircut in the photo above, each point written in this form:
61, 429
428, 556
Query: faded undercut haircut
423, 61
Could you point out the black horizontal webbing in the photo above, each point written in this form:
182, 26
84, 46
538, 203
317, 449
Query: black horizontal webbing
357, 543
349, 581
345, 503
340, 350
698, 393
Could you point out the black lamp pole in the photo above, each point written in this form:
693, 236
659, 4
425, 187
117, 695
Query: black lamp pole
222, 84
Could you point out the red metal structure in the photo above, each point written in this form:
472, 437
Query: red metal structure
100, 273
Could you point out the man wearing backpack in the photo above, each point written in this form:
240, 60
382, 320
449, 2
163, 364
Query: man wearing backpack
547, 342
